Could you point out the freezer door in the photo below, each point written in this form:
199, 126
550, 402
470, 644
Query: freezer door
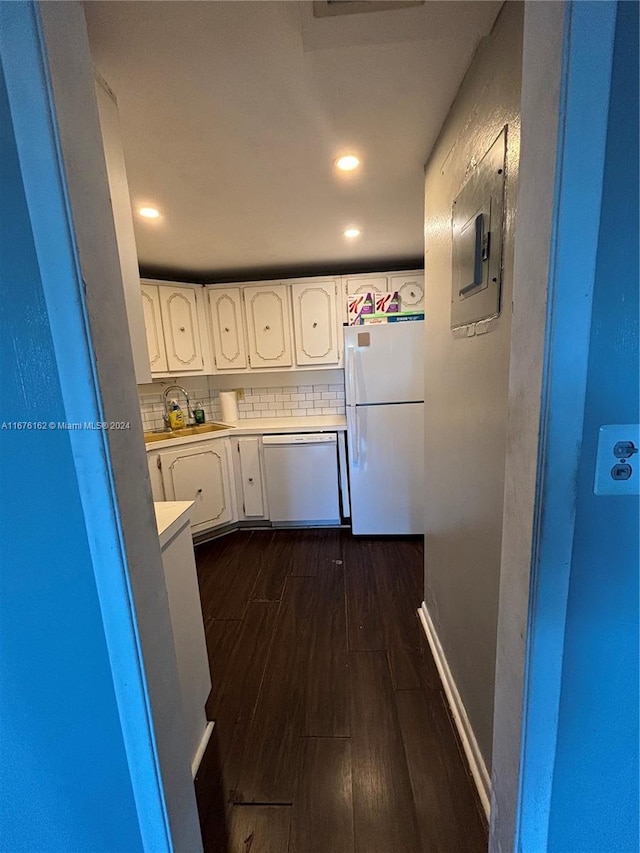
386, 469
385, 363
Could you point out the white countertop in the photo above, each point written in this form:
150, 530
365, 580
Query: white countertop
261, 426
170, 517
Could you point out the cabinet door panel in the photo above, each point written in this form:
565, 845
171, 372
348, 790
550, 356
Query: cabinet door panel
202, 477
181, 332
251, 473
410, 287
153, 327
267, 310
365, 284
225, 308
315, 322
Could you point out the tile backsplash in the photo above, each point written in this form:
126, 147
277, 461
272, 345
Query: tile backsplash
293, 401
152, 404
268, 402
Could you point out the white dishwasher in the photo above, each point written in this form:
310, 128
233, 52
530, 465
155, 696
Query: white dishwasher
302, 478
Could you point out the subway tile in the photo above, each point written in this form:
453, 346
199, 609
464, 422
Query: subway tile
317, 396
297, 396
305, 389
281, 398
245, 407
320, 388
269, 413
338, 387
328, 395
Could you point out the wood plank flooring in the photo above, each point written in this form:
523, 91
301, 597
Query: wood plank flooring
332, 731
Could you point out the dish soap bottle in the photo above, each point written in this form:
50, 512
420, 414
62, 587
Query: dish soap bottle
198, 413
176, 416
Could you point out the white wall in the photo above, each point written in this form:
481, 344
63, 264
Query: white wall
541, 76
467, 386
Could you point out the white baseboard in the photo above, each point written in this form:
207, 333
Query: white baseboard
204, 741
472, 751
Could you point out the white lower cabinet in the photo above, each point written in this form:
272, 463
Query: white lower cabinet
202, 474
249, 470
155, 476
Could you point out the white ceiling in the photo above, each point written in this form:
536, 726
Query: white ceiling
232, 114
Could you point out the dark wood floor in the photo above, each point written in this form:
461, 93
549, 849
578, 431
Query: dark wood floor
332, 732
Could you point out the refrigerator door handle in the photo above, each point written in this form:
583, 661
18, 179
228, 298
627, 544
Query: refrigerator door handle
353, 436
351, 385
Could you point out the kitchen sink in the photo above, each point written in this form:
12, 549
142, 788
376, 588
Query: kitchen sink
164, 434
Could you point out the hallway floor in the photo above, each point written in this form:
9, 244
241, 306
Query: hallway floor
332, 732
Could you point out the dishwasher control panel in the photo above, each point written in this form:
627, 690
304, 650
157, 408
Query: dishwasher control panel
301, 438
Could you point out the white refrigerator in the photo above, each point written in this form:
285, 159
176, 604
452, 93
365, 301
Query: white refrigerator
384, 383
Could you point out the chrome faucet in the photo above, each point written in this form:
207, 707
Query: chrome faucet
165, 414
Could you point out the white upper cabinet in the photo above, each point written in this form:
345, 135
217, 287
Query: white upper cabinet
181, 333
315, 321
365, 283
268, 325
153, 327
176, 327
410, 287
225, 312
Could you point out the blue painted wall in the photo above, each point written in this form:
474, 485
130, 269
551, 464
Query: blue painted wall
595, 792
63, 772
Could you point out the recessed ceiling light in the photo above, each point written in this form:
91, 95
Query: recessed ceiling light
351, 232
347, 163
149, 212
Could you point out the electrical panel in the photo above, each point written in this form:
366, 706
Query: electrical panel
477, 226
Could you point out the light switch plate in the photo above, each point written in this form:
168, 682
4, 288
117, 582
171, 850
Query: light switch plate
617, 464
